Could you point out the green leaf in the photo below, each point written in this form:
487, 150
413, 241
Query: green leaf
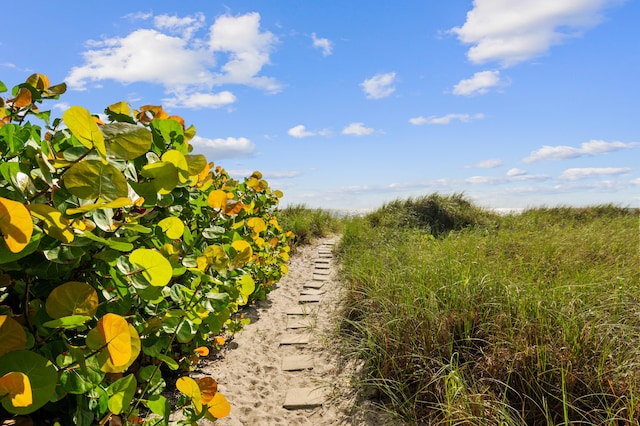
42, 375
163, 175
196, 163
12, 335
159, 405
114, 243
72, 321
171, 363
75, 381
92, 179
85, 129
3, 88
121, 393
153, 265
72, 298
7, 256
186, 331
127, 141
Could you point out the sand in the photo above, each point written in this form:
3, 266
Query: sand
250, 369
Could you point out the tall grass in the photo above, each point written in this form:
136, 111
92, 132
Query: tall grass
308, 224
486, 319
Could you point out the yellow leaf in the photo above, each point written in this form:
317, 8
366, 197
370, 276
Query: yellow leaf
16, 225
12, 335
243, 253
257, 224
208, 388
85, 129
201, 351
219, 407
190, 388
217, 199
155, 268
101, 204
54, 224
115, 331
172, 227
18, 387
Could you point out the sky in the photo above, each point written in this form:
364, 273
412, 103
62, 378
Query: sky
353, 104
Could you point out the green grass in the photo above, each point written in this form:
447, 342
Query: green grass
308, 224
463, 316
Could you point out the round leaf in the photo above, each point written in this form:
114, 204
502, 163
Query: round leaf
219, 407
54, 224
154, 267
84, 128
16, 225
92, 179
121, 393
243, 253
18, 387
172, 227
127, 141
42, 376
12, 335
190, 388
113, 337
208, 388
72, 298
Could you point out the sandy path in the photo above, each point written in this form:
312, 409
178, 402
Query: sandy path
250, 372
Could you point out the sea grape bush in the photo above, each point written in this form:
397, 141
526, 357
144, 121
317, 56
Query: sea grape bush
122, 256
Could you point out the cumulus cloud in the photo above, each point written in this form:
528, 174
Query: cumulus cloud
200, 100
491, 163
220, 148
379, 86
185, 26
234, 51
323, 44
300, 131
515, 172
479, 84
445, 119
513, 31
589, 172
562, 152
357, 129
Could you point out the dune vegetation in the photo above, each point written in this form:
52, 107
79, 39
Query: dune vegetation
464, 316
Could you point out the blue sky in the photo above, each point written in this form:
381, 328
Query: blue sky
350, 104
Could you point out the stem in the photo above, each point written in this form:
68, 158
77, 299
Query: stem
173, 337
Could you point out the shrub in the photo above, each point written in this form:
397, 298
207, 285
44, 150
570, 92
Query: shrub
124, 255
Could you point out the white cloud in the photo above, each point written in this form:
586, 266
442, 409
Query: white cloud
300, 131
588, 172
379, 86
248, 50
322, 43
200, 100
357, 129
185, 26
446, 119
479, 84
515, 172
562, 152
491, 163
513, 31
233, 52
224, 148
